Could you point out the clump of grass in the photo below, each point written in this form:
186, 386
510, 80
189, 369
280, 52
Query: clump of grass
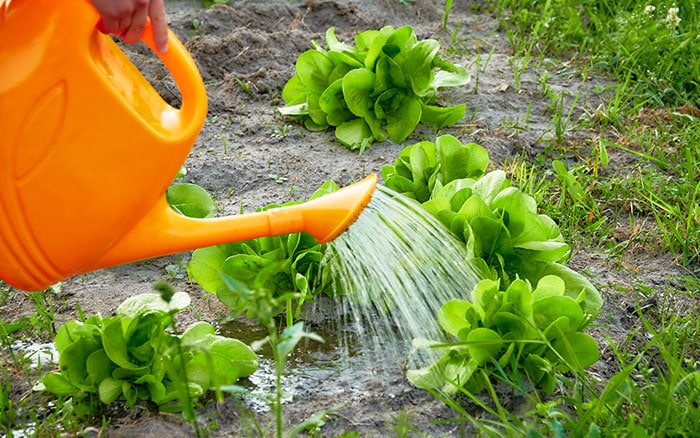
654, 43
19, 370
653, 202
651, 51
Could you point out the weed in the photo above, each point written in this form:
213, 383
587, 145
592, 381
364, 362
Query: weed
446, 14
279, 132
259, 301
245, 86
176, 271
225, 143
196, 28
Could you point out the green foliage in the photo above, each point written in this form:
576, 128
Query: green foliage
190, 200
291, 262
653, 43
379, 89
518, 332
498, 223
209, 3
8, 410
132, 356
658, 44
257, 299
655, 392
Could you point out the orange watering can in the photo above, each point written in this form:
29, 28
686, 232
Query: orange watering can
89, 148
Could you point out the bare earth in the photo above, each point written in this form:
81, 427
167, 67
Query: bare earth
249, 156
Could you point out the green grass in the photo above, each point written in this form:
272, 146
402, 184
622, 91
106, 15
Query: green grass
659, 185
653, 59
653, 42
17, 372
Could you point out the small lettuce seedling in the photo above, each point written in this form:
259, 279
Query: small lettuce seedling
133, 356
380, 88
517, 332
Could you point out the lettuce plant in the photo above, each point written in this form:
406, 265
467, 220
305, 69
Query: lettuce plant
498, 223
378, 89
519, 332
133, 356
290, 262
423, 166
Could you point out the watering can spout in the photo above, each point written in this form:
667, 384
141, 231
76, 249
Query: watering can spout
163, 231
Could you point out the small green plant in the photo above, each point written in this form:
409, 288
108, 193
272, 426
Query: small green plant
209, 3
255, 298
446, 14
281, 131
196, 28
379, 89
133, 356
8, 412
523, 334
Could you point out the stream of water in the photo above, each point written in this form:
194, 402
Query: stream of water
394, 268
391, 271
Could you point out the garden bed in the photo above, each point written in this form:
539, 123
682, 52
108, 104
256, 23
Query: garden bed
248, 156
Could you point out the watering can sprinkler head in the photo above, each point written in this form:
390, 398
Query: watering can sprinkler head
329, 216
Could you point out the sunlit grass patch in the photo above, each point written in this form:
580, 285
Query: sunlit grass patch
656, 43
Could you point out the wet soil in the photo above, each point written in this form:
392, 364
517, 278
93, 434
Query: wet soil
248, 156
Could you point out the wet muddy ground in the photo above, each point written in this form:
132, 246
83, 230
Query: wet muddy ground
248, 156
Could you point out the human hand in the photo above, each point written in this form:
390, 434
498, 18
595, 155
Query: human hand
127, 19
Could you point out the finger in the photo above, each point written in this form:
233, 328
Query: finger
159, 21
133, 33
108, 24
123, 26
101, 26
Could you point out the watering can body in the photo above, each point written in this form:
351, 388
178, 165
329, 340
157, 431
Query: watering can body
87, 144
88, 149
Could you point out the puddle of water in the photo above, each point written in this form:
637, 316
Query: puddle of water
38, 353
310, 362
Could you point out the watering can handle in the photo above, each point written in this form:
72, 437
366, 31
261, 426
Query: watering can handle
185, 73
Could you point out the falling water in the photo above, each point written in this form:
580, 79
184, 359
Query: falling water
395, 267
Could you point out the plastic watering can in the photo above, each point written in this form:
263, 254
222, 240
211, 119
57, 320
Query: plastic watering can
89, 148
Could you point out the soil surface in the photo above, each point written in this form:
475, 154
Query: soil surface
248, 156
